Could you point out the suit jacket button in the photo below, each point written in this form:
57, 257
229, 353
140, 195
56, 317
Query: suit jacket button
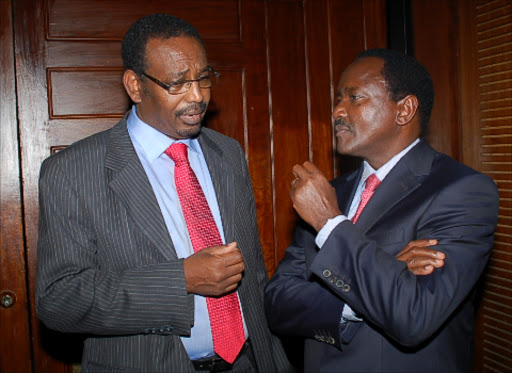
340, 283
346, 288
326, 273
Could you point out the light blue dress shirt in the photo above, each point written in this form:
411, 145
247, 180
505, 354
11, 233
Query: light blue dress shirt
150, 145
323, 234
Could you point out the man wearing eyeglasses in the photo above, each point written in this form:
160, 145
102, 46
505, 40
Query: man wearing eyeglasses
148, 236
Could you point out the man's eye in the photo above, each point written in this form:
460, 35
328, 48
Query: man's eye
354, 97
176, 86
177, 83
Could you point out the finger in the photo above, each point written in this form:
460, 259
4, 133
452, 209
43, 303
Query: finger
299, 171
418, 243
311, 168
420, 262
294, 181
424, 242
235, 268
231, 283
422, 252
422, 271
223, 250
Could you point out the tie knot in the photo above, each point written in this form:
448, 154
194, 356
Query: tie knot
372, 182
178, 152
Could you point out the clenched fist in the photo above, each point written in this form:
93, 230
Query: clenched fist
214, 271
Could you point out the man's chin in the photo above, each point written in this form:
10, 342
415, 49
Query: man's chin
192, 130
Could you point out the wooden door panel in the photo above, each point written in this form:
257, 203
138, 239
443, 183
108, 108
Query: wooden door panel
214, 19
86, 93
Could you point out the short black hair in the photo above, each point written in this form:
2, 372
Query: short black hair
159, 26
404, 75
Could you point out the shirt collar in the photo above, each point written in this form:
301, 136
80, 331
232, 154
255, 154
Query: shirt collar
153, 142
383, 171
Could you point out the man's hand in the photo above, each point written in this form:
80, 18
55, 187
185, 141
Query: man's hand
420, 258
214, 271
313, 196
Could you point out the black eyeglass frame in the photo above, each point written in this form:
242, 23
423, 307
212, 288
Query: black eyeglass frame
167, 87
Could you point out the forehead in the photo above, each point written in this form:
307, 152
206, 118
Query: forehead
175, 55
365, 72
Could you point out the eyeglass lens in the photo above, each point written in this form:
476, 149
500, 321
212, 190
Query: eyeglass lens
204, 82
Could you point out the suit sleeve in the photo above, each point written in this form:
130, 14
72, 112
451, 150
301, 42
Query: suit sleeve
406, 307
76, 293
297, 303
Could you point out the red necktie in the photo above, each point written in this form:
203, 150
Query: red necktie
372, 182
225, 316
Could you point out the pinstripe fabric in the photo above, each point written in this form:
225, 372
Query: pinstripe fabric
107, 266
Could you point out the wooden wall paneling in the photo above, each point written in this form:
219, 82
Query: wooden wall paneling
29, 21
488, 147
289, 108
469, 91
319, 86
15, 353
256, 117
375, 24
111, 19
354, 26
437, 20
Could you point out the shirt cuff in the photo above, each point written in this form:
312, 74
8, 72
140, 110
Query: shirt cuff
326, 230
348, 314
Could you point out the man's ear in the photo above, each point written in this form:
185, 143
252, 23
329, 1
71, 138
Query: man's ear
407, 108
132, 85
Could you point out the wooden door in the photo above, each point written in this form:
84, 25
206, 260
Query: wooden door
69, 71
15, 337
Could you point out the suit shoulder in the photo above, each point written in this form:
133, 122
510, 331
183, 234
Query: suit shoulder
86, 150
218, 137
446, 164
446, 170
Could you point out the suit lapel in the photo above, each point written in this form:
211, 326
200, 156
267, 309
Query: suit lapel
223, 180
403, 179
130, 183
346, 189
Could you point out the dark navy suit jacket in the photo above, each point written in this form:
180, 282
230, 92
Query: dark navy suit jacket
410, 323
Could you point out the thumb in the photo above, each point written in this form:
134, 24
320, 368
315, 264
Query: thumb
230, 246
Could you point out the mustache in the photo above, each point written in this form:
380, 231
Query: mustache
194, 108
341, 122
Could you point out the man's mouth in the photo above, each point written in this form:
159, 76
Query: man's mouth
342, 127
192, 118
193, 114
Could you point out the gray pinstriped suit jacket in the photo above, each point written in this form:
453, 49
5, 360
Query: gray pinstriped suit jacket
107, 266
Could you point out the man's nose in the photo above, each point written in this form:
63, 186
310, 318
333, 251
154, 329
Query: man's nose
340, 109
195, 93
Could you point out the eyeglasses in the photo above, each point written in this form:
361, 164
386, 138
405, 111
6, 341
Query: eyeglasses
182, 86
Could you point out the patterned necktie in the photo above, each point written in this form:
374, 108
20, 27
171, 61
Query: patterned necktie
372, 182
225, 316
